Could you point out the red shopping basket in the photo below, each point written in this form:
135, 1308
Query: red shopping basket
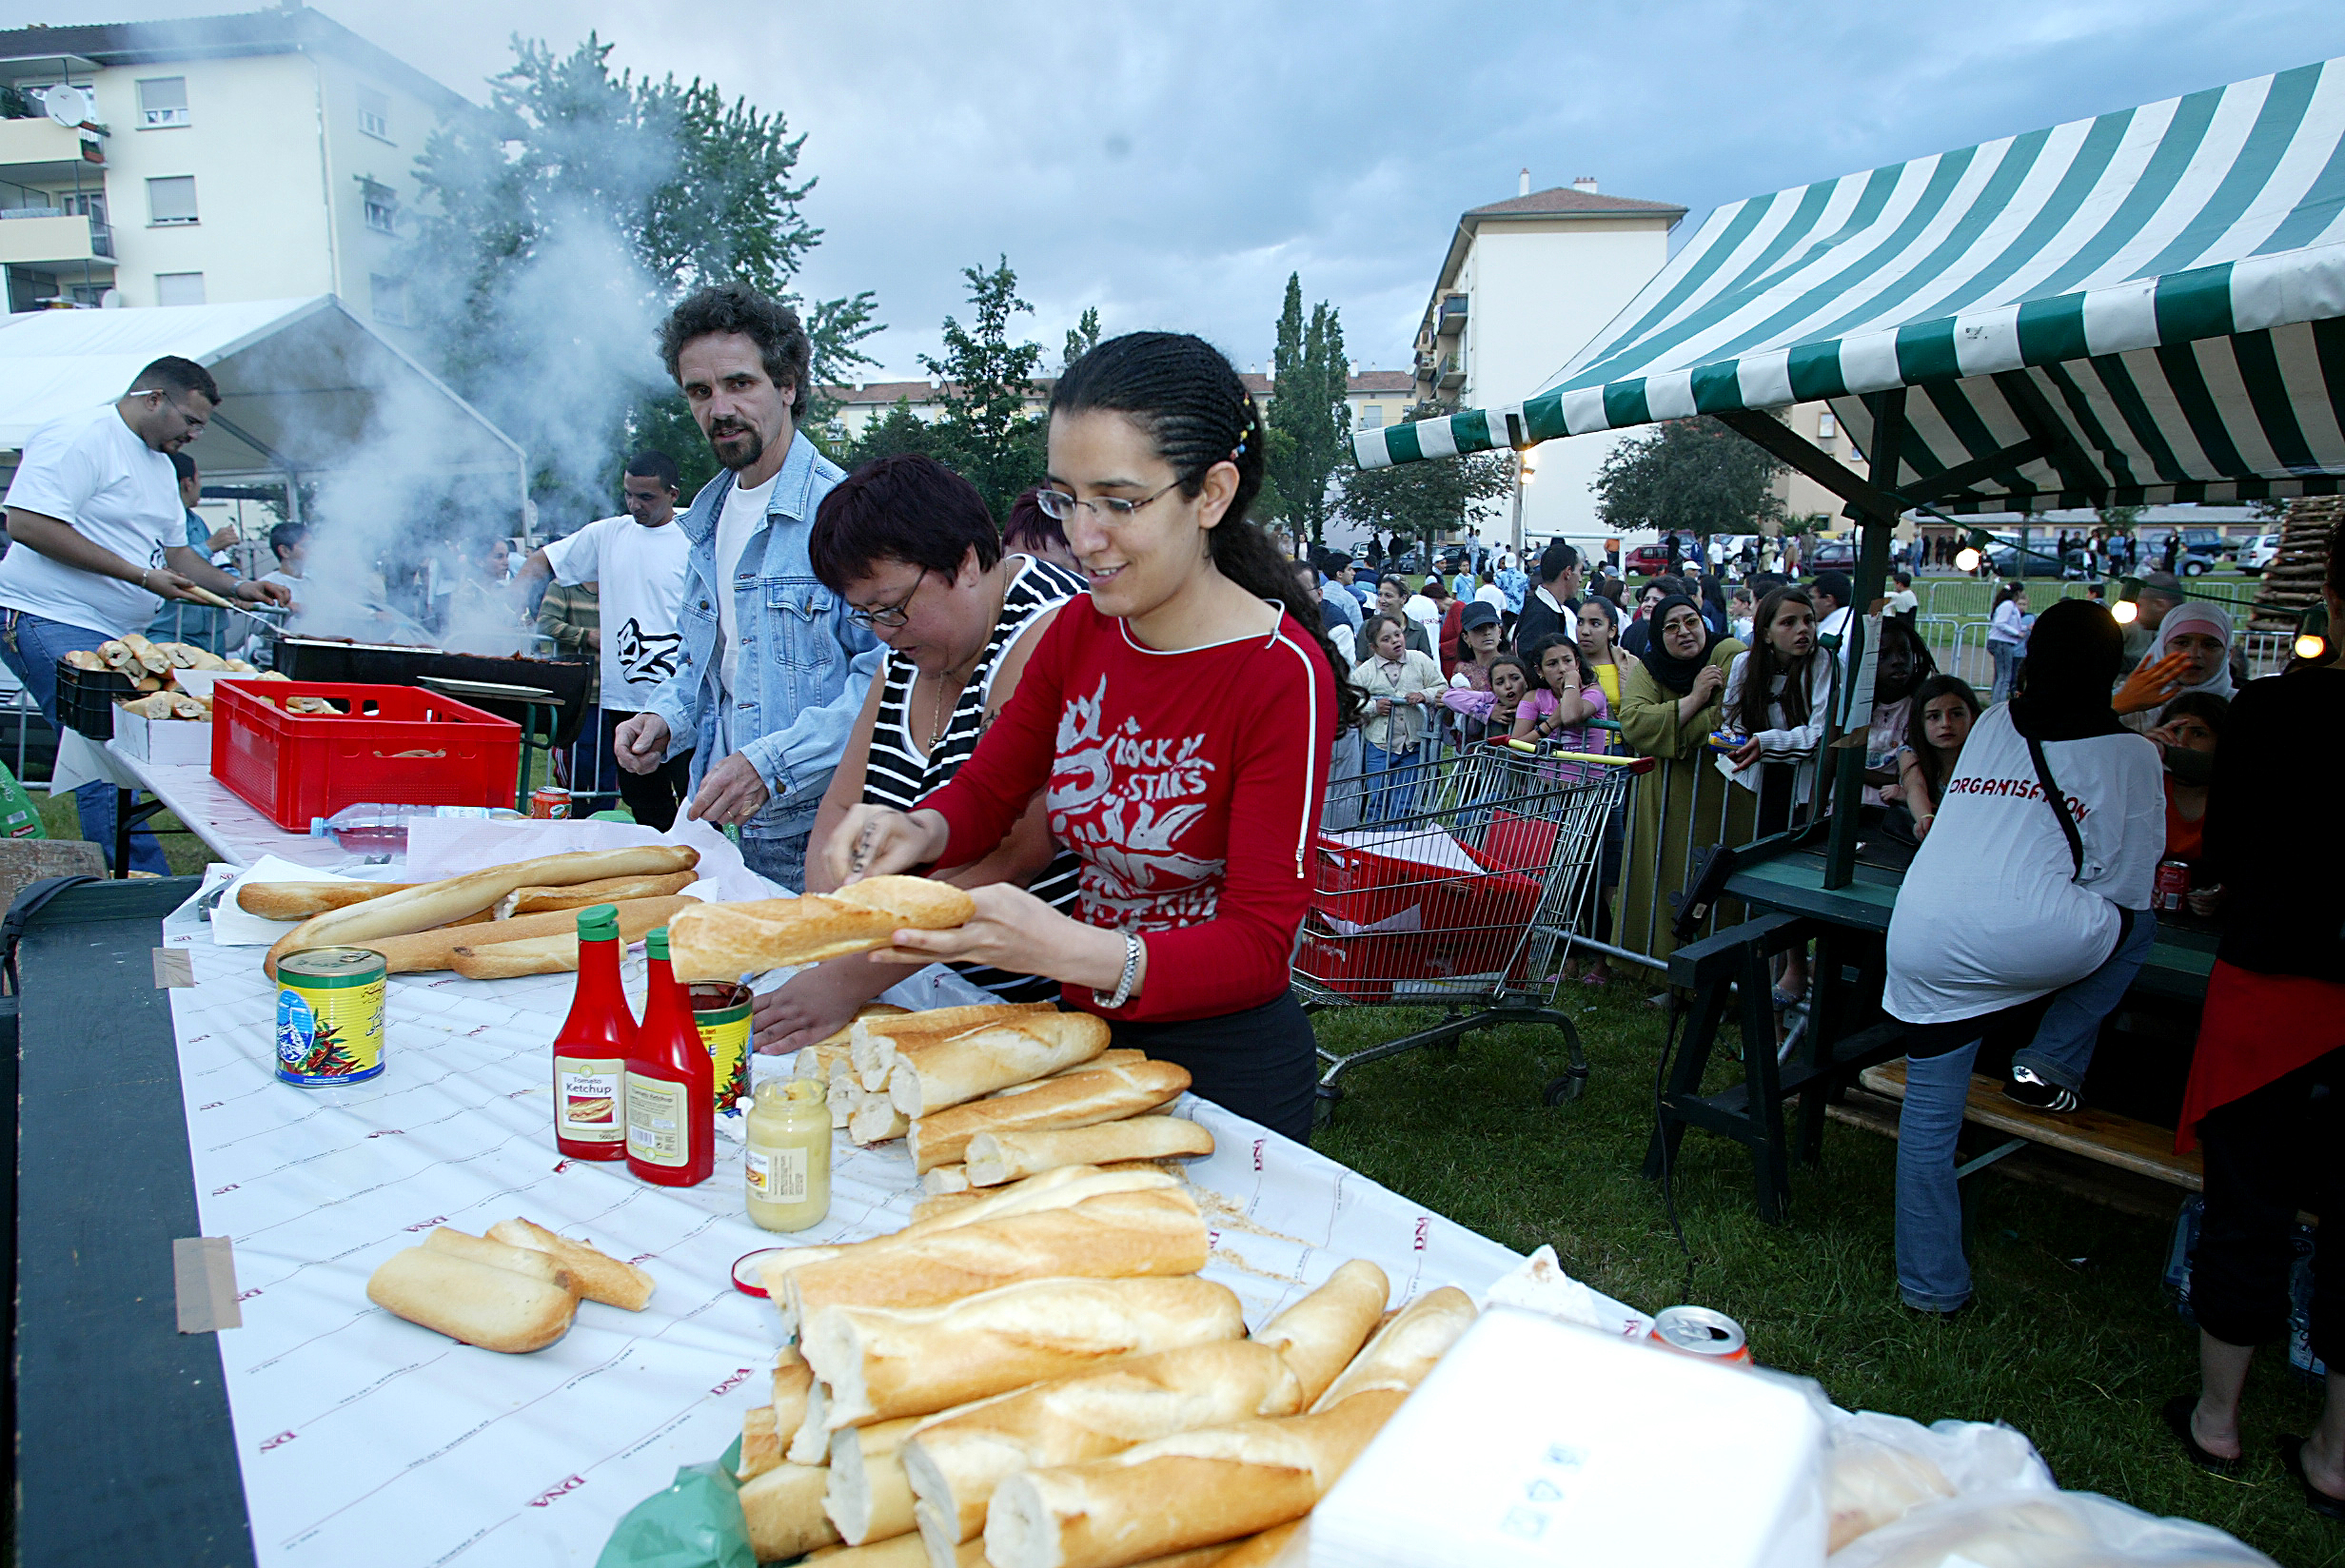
400, 745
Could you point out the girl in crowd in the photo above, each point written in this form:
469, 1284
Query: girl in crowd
1938, 721
1669, 704
1176, 721
2191, 655
1904, 661
1599, 628
1494, 707
1398, 685
2189, 730
1565, 699
1392, 599
1778, 694
1714, 609
2007, 630
2267, 1081
2030, 898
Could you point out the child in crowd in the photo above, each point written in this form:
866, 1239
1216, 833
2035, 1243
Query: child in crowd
1491, 711
1742, 613
2007, 631
1599, 632
1938, 721
1779, 694
2190, 728
1565, 698
1401, 685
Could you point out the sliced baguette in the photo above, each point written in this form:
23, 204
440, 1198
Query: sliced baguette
477, 1302
783, 1510
968, 1067
597, 1276
1081, 1099
521, 1259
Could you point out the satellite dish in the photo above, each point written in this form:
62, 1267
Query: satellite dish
67, 104
111, 300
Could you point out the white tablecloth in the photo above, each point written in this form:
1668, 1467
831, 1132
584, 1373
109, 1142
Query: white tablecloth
368, 1441
229, 828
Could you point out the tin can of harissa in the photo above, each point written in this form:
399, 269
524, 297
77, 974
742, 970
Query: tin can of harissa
1699, 1331
329, 1016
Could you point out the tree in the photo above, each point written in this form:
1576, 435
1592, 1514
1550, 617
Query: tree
1424, 499
988, 382
1081, 339
1310, 378
562, 221
897, 430
1690, 477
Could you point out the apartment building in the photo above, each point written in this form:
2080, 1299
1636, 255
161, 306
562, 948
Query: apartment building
215, 160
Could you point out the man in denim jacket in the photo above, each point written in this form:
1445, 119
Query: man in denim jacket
772, 669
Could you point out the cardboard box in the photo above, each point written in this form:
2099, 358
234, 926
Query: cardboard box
179, 742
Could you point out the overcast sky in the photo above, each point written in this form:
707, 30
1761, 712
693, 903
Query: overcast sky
1171, 163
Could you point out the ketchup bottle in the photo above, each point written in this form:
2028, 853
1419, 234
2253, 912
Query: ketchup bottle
671, 1084
592, 1048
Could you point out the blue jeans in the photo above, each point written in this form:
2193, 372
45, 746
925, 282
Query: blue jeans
2062, 1049
31, 646
2007, 669
780, 860
1391, 797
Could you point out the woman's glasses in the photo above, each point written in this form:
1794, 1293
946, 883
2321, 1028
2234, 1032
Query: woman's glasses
1061, 507
889, 615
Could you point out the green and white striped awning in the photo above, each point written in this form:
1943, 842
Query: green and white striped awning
2156, 296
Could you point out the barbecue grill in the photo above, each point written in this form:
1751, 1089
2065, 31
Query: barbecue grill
562, 681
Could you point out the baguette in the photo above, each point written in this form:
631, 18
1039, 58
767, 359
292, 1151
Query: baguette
438, 950
597, 1276
1114, 1235
1320, 1334
1405, 1349
943, 1202
83, 659
1230, 1482
968, 1067
869, 1498
997, 1157
537, 1266
882, 1363
901, 1552
608, 889
475, 1302
1081, 1099
1282, 1546
154, 705
873, 1041
954, 1463
783, 1511
760, 1442
727, 941
811, 1442
1115, 1056
793, 1381
841, 1097
300, 900
815, 1061
153, 658
946, 1180
875, 1121
428, 904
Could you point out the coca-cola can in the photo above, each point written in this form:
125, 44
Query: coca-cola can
2173, 887
1699, 1331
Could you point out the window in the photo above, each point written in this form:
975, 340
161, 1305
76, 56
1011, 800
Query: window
390, 299
374, 113
1826, 426
1371, 416
163, 101
179, 288
382, 205
171, 200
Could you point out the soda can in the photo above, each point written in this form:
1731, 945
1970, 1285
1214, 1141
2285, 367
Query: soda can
1699, 1331
2173, 886
329, 1016
549, 802
720, 1013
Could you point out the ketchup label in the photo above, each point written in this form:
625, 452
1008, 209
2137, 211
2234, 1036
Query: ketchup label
655, 1129
586, 1105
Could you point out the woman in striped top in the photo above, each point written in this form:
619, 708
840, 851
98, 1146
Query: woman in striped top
910, 544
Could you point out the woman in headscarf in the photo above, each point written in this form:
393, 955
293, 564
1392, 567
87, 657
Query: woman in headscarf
2192, 653
2029, 900
1671, 702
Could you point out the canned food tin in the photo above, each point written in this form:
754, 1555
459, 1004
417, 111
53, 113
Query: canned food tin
721, 1015
2173, 887
1699, 1331
549, 802
329, 1016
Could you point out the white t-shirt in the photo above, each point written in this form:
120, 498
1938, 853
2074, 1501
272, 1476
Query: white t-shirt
744, 517
91, 470
1425, 613
1493, 596
640, 573
1989, 915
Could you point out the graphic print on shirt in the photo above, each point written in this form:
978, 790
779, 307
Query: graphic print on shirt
1122, 801
647, 660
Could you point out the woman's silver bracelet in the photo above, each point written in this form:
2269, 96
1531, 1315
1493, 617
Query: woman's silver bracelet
1132, 976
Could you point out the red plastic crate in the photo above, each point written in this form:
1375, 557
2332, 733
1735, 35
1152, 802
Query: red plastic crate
400, 745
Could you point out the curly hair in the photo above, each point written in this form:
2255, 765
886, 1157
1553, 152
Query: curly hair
782, 341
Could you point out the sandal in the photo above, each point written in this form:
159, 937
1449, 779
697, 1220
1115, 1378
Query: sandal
2177, 1416
2292, 1460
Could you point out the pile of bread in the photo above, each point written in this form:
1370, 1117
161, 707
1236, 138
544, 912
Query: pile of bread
515, 1289
153, 669
1036, 1378
989, 1094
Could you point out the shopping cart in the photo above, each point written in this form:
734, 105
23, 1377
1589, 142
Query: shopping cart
1458, 882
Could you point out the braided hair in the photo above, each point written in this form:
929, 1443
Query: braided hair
1187, 396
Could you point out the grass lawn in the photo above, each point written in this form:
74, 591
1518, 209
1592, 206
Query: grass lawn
2072, 1339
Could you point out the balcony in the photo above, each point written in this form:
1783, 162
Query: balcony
1450, 319
41, 236
1450, 375
43, 151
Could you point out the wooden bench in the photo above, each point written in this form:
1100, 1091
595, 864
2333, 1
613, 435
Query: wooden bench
2118, 1141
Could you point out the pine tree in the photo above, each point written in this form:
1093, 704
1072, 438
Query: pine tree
1309, 377
987, 432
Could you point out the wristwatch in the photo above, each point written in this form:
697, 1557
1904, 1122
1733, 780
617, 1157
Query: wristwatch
1132, 976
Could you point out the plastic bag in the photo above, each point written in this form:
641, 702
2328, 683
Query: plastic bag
695, 1521
1877, 1467
2025, 1528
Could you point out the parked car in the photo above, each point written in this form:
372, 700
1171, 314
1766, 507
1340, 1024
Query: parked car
2210, 541
1646, 560
2004, 557
2260, 553
1830, 556
2202, 551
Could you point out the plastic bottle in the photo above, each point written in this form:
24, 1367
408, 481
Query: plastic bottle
787, 1162
671, 1087
369, 827
592, 1046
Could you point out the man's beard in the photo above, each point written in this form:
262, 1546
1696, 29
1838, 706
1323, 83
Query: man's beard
730, 431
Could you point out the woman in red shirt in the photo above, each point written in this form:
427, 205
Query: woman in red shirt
1178, 721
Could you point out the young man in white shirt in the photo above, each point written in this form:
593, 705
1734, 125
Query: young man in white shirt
98, 542
637, 560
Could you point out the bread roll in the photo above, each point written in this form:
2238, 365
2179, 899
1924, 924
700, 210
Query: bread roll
783, 1510
902, 1552
1081, 1099
494, 1309
761, 1442
608, 889
300, 900
968, 1067
1116, 1235
727, 941
532, 933
154, 705
1405, 1349
997, 1157
955, 1462
597, 1276
882, 1363
1282, 1546
873, 1043
1320, 1334
869, 1498
537, 1266
83, 659
153, 658
873, 1120
1179, 1492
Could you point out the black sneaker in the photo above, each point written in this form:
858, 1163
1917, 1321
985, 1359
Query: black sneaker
2037, 1094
